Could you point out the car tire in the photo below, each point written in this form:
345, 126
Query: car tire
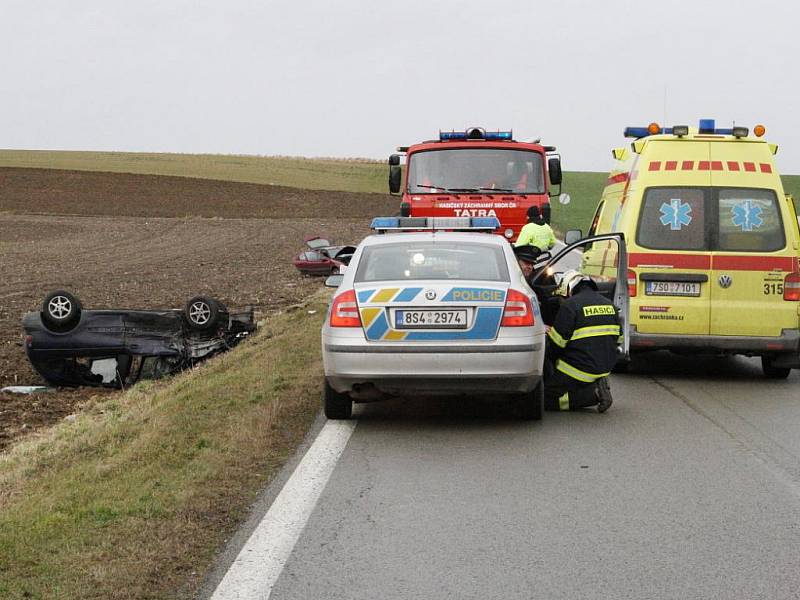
336, 404
203, 313
61, 311
771, 371
531, 404
622, 366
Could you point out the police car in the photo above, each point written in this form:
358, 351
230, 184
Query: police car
433, 305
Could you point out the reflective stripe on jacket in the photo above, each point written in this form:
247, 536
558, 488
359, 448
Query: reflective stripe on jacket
584, 336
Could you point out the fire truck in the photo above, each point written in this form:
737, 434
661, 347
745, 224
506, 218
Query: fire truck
476, 173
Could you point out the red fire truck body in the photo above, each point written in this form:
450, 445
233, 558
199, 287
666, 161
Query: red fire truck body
476, 174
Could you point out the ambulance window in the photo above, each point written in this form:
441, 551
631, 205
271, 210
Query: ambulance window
750, 221
673, 219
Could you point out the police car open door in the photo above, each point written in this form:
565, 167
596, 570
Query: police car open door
604, 258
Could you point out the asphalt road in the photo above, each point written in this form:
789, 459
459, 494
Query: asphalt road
689, 487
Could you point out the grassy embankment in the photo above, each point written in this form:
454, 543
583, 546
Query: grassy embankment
359, 175
132, 497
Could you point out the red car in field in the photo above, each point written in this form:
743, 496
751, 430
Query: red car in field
322, 258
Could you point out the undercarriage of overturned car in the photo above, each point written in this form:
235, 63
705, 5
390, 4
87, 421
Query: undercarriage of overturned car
69, 346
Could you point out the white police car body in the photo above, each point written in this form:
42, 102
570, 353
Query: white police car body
431, 305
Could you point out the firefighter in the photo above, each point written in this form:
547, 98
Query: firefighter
581, 346
537, 232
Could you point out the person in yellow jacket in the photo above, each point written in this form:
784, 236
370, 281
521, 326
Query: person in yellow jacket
536, 232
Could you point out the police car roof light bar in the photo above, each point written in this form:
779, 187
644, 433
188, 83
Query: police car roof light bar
383, 224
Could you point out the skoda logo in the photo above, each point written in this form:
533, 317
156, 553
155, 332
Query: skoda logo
430, 295
725, 281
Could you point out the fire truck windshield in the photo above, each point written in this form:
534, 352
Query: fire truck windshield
481, 170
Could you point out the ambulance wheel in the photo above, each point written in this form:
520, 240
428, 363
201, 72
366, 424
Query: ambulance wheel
771, 371
531, 404
337, 405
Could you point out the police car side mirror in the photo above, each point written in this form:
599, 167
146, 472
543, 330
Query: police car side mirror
394, 174
334, 281
554, 169
572, 236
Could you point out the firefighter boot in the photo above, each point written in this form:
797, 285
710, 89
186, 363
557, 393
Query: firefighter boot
603, 393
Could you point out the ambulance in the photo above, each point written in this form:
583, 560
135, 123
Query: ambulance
713, 243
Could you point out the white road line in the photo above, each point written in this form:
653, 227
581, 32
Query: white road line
258, 565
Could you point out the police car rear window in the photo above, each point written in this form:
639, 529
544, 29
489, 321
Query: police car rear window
432, 260
673, 219
749, 221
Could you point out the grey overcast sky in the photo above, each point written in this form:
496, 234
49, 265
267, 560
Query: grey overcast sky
358, 77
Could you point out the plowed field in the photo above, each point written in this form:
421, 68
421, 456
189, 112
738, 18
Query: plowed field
141, 241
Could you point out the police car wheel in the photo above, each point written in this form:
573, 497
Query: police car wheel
336, 405
771, 371
531, 404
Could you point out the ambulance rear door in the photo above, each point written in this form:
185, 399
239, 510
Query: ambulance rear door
671, 263
753, 250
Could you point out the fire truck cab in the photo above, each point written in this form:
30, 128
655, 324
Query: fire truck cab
476, 173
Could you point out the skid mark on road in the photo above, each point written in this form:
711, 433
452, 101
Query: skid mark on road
259, 563
781, 462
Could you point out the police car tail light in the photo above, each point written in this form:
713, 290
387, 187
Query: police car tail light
344, 312
631, 282
791, 287
518, 311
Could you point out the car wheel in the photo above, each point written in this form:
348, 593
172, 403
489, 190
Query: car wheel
337, 405
531, 404
771, 371
61, 311
203, 313
622, 366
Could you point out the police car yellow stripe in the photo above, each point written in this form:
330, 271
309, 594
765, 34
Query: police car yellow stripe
395, 336
583, 376
368, 315
384, 295
595, 331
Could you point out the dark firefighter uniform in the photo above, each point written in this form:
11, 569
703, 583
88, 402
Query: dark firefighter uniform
582, 349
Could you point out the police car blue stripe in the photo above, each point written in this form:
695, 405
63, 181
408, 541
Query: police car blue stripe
486, 323
365, 295
378, 328
407, 295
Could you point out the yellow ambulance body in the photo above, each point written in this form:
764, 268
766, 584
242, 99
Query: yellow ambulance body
713, 244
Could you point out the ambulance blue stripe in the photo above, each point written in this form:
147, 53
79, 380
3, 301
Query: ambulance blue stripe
378, 327
407, 295
365, 295
486, 323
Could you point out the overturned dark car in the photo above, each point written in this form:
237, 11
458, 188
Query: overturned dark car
69, 346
